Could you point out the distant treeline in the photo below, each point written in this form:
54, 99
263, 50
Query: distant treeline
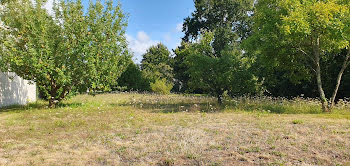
230, 47
265, 47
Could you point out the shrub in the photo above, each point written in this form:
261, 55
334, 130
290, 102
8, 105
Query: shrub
161, 86
297, 122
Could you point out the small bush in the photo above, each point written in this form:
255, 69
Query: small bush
161, 86
297, 122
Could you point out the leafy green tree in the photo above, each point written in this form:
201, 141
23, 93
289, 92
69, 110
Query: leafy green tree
307, 30
133, 78
281, 71
280, 80
215, 75
156, 63
229, 22
68, 52
181, 76
228, 19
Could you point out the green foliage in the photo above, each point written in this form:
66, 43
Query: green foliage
156, 63
156, 66
297, 121
229, 18
68, 52
305, 21
296, 36
273, 56
161, 86
133, 79
332, 65
229, 72
181, 75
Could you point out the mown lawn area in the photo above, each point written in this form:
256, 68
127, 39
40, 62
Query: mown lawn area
145, 129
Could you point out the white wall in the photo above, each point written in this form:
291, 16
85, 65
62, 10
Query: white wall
15, 91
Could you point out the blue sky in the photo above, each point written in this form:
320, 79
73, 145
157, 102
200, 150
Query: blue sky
154, 21
151, 22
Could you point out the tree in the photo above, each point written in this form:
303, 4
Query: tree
133, 78
309, 30
181, 76
215, 75
228, 19
229, 22
156, 63
68, 52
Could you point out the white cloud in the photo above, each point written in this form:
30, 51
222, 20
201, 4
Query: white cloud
140, 44
171, 40
142, 36
167, 37
48, 6
179, 27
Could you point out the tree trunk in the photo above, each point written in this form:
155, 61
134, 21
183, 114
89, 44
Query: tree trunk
219, 98
52, 102
57, 98
320, 89
340, 75
323, 98
53, 95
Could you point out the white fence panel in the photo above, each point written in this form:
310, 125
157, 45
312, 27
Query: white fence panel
15, 90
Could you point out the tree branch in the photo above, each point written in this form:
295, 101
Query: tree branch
301, 50
345, 65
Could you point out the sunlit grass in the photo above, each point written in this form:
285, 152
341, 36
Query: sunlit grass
146, 129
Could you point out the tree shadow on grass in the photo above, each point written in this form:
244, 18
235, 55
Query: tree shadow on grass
174, 108
208, 107
21, 108
71, 105
279, 109
268, 108
36, 105
276, 109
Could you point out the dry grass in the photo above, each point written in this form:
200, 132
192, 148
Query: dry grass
140, 129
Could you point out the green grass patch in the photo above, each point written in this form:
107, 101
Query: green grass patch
130, 128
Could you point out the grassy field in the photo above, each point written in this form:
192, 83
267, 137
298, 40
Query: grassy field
143, 129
